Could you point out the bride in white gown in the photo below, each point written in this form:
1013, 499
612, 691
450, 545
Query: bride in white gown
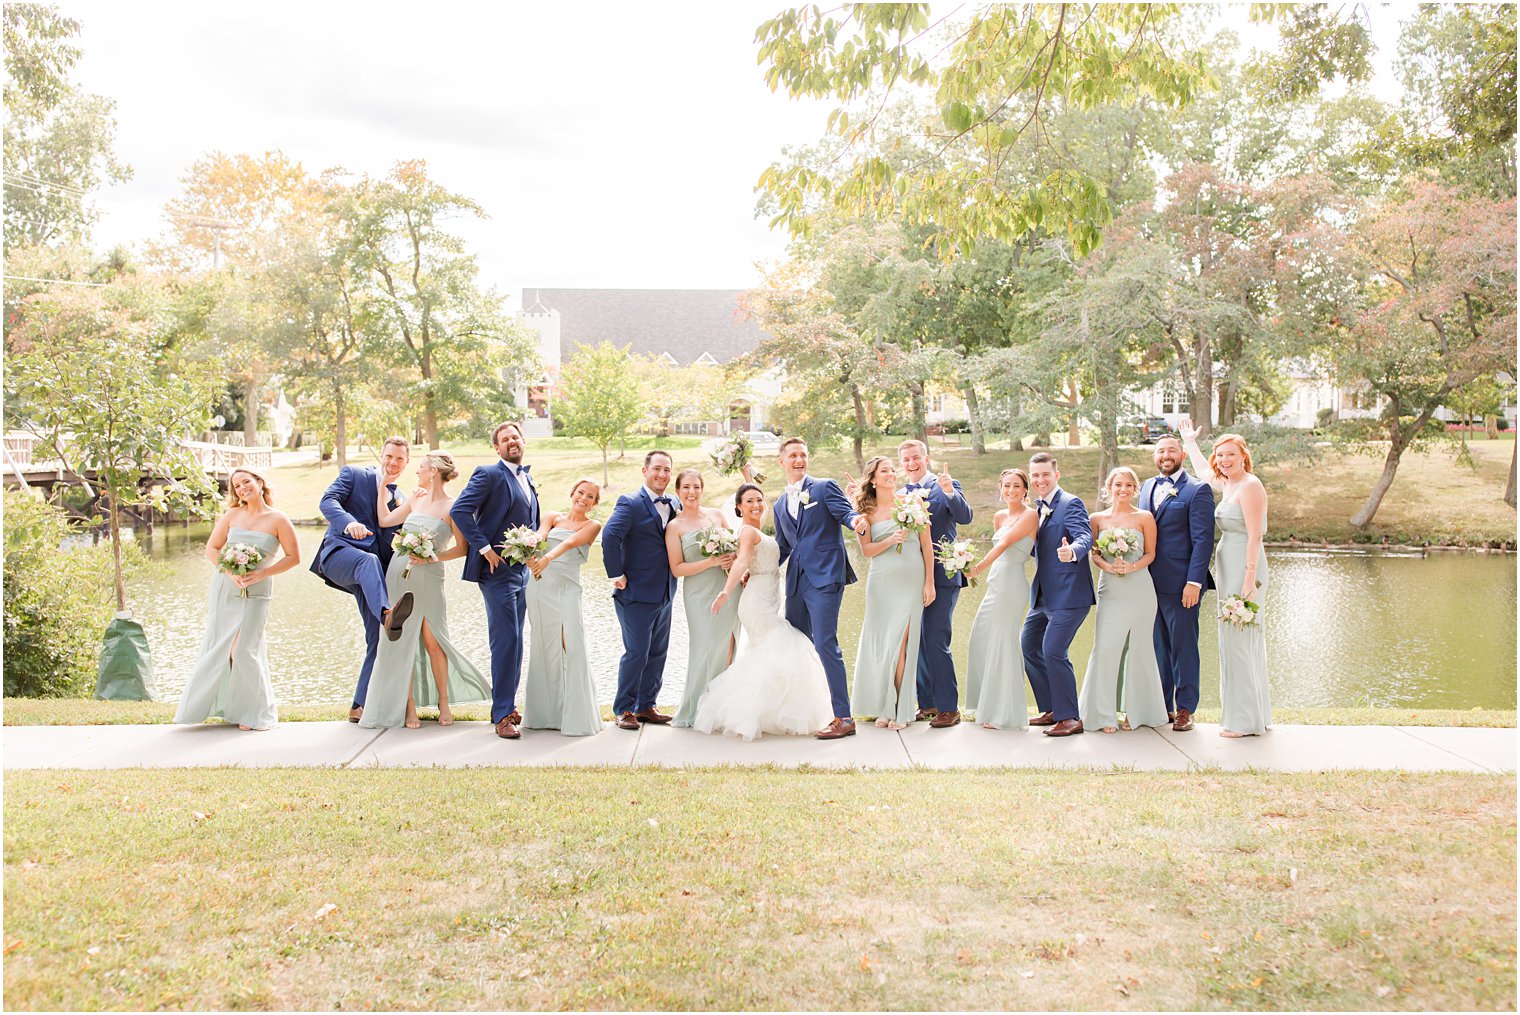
776, 683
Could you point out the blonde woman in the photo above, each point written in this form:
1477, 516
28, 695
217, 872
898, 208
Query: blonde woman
995, 666
231, 677
558, 689
710, 636
900, 584
1122, 670
1240, 563
406, 678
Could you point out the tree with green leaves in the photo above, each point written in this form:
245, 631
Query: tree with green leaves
59, 140
84, 376
998, 75
597, 395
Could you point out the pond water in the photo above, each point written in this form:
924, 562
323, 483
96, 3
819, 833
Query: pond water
1343, 629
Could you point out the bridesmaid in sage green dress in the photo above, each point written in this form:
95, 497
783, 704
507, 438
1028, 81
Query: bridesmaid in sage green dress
559, 692
995, 668
231, 677
710, 637
1240, 561
898, 587
421, 666
1124, 648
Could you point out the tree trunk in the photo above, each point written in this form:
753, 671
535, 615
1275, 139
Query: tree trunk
429, 403
251, 411
1108, 442
1509, 488
1073, 433
1226, 403
1363, 516
860, 426
920, 413
121, 585
1201, 402
974, 417
604, 466
340, 428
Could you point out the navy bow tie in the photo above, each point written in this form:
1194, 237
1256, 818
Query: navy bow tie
1168, 480
665, 500
1043, 505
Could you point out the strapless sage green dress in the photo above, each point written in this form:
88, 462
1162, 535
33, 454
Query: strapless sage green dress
995, 665
231, 677
403, 664
709, 638
894, 610
558, 690
1245, 699
1122, 670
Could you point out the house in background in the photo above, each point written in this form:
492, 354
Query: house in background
681, 327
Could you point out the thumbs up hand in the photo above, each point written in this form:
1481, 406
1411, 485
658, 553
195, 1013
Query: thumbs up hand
1066, 553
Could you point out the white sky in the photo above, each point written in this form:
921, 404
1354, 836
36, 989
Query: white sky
613, 145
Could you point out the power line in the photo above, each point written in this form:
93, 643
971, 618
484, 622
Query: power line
34, 178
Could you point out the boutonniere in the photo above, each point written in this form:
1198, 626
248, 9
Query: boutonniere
1045, 512
1168, 491
804, 498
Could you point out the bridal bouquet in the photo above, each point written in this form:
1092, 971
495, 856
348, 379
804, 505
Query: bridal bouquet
718, 541
956, 557
734, 454
1115, 543
416, 546
521, 544
912, 512
239, 558
1238, 611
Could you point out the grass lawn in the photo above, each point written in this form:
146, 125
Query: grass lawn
88, 712
617, 889
1311, 503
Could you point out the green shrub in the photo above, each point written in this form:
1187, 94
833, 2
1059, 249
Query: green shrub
58, 600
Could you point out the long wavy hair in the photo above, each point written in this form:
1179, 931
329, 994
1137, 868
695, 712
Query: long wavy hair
233, 500
868, 497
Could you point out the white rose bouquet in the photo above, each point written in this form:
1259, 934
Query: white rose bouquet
239, 559
1114, 544
1238, 611
521, 544
718, 541
956, 557
416, 546
911, 511
734, 454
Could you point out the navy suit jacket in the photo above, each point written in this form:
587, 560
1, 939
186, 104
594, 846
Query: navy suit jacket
1058, 585
351, 498
633, 546
945, 513
815, 536
491, 503
1184, 533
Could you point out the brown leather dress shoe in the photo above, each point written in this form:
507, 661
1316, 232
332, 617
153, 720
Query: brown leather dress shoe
515, 718
650, 715
627, 721
397, 617
925, 713
1065, 728
1043, 719
507, 729
837, 729
944, 720
1183, 722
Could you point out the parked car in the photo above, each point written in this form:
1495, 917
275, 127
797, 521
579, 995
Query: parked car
1144, 430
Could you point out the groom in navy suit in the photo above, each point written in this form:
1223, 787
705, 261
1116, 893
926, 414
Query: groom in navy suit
1184, 511
498, 497
808, 517
938, 695
1059, 598
644, 590
355, 550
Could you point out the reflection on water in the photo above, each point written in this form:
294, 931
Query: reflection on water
1342, 629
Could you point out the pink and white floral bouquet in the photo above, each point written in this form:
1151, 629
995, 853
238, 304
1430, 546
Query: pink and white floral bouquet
239, 559
416, 546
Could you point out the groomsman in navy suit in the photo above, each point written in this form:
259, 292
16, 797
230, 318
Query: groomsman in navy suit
808, 517
1059, 598
1184, 511
938, 694
499, 497
644, 590
356, 550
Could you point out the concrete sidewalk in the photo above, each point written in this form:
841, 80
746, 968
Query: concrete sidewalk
467, 744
